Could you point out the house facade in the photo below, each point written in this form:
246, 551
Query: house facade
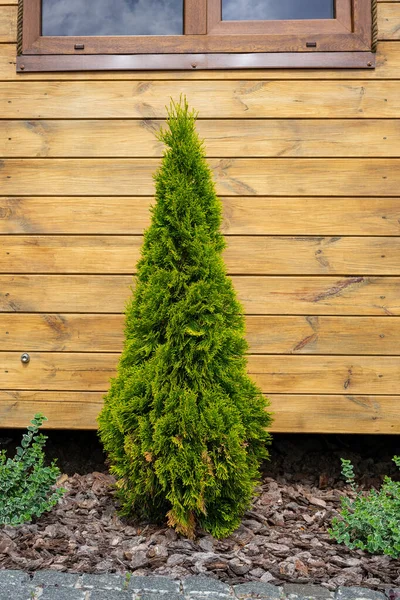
306, 162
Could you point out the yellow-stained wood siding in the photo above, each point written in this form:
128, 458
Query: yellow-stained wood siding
242, 215
279, 334
309, 176
233, 176
231, 138
260, 255
233, 99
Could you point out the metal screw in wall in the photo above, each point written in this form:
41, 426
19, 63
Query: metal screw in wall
25, 358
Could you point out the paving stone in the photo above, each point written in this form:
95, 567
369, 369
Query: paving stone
153, 584
9, 591
358, 593
53, 593
167, 596
48, 578
300, 590
110, 595
105, 581
206, 587
12, 577
256, 589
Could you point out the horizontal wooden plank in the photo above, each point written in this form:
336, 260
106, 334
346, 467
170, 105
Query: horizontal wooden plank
321, 335
233, 99
304, 413
389, 21
293, 374
258, 255
387, 67
229, 138
64, 410
260, 295
326, 374
272, 335
234, 177
8, 22
242, 215
335, 414
57, 371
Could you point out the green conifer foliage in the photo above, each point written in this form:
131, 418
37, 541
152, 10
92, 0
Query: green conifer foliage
183, 424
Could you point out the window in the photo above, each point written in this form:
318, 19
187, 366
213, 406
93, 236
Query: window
63, 35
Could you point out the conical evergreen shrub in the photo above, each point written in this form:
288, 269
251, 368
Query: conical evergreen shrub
183, 424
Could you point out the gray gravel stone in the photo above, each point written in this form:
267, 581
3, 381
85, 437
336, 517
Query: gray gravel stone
255, 589
357, 593
105, 581
152, 584
205, 587
299, 590
48, 578
10, 577
53, 593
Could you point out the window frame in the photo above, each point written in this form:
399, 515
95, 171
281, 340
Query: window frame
208, 42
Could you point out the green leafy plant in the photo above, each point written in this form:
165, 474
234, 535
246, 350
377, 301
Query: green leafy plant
370, 521
183, 424
26, 484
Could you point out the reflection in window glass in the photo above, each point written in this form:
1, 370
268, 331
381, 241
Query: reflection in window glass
112, 17
268, 10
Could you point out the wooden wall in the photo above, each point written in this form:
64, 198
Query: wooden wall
308, 167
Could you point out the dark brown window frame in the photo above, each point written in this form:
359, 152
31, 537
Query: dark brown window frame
209, 43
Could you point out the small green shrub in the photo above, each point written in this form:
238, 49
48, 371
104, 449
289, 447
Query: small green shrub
25, 482
371, 521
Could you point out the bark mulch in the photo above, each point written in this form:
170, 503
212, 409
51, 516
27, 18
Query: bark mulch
283, 538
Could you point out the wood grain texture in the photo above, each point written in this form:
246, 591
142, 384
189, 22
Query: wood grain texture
387, 67
233, 99
233, 177
241, 215
8, 29
326, 374
305, 165
195, 17
54, 332
389, 21
310, 413
228, 138
274, 374
259, 255
323, 335
64, 410
335, 414
358, 296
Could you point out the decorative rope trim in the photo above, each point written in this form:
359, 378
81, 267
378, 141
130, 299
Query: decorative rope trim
374, 39
19, 26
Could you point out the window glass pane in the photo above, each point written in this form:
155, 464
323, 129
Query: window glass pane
112, 17
268, 10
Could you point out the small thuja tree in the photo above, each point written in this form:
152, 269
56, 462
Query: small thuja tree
183, 425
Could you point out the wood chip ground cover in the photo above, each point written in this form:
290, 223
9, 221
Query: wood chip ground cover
283, 538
